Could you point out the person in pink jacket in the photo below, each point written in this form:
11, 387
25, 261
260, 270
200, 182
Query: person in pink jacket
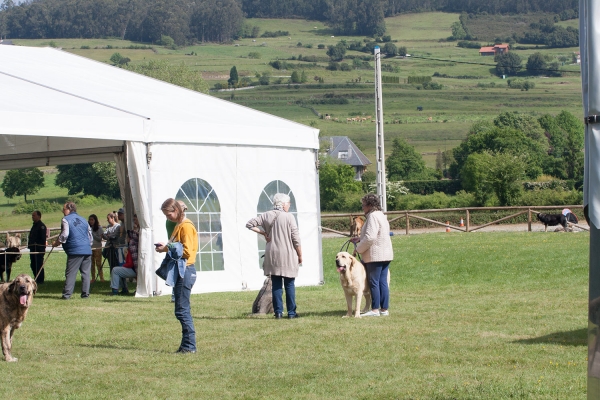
375, 248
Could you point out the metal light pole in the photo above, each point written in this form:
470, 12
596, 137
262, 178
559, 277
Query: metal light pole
380, 153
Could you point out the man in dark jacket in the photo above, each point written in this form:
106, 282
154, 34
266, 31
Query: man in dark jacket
36, 243
76, 239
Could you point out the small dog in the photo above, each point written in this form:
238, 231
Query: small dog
353, 277
13, 241
552, 220
15, 299
356, 224
7, 260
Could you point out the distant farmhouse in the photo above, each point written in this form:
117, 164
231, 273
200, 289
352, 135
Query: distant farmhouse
497, 49
343, 149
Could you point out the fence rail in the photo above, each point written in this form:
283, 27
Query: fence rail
408, 214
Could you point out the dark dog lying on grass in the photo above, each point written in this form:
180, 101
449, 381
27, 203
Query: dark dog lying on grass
7, 260
552, 220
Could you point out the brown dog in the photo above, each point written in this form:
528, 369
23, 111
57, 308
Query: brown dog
356, 224
353, 277
15, 300
13, 241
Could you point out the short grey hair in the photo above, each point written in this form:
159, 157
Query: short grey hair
280, 199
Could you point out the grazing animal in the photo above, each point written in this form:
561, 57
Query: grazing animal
13, 241
15, 299
7, 260
356, 224
552, 220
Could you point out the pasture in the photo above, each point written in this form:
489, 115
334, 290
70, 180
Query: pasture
452, 110
477, 316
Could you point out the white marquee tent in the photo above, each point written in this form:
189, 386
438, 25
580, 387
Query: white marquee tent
225, 161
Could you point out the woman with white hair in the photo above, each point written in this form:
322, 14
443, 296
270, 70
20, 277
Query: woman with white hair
283, 253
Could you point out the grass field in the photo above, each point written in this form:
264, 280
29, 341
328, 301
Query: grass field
452, 110
473, 316
51, 193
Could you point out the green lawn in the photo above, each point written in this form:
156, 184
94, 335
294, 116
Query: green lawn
473, 316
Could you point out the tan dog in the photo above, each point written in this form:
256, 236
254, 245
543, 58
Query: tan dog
353, 277
15, 299
13, 241
356, 224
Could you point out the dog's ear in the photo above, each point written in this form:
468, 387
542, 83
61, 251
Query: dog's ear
34, 286
12, 288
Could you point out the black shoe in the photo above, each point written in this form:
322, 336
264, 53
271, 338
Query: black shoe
64, 298
114, 292
278, 315
292, 316
183, 351
124, 292
84, 295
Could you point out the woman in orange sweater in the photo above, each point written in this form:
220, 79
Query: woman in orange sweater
186, 234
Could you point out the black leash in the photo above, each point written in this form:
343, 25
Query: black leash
346, 246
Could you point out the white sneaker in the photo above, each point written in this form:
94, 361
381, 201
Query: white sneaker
370, 314
385, 313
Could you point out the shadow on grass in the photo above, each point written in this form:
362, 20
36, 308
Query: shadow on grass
577, 337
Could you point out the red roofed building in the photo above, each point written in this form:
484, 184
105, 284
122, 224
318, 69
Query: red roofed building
492, 51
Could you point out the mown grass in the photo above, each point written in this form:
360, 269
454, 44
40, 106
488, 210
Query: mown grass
473, 316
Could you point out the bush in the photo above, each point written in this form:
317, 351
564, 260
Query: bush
418, 79
42, 205
254, 55
88, 200
321, 46
449, 187
523, 84
269, 34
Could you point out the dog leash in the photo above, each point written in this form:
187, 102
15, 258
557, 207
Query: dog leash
346, 246
43, 264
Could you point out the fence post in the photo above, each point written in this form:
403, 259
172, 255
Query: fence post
529, 220
407, 224
468, 221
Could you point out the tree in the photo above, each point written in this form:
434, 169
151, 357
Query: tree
337, 52
390, 50
536, 64
98, 179
21, 182
508, 64
402, 51
485, 173
404, 163
295, 78
233, 77
336, 179
458, 32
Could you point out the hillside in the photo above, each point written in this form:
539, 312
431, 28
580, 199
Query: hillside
466, 96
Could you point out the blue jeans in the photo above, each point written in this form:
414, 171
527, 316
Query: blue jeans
278, 282
119, 275
183, 310
380, 291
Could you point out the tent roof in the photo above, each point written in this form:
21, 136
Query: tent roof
52, 93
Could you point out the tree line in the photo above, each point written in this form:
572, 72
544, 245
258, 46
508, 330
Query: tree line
187, 21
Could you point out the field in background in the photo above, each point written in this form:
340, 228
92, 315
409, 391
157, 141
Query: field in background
510, 325
452, 110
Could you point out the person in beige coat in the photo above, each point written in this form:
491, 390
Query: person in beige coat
375, 248
283, 254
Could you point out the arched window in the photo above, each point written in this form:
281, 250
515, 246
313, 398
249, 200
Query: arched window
204, 210
265, 203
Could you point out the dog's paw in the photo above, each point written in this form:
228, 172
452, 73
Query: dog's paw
12, 359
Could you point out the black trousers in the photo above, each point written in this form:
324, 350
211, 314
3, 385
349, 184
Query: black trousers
36, 264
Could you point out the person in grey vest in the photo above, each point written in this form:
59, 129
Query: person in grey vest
76, 239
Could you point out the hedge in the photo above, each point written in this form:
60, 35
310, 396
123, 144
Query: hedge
429, 187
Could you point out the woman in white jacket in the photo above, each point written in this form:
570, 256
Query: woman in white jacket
375, 248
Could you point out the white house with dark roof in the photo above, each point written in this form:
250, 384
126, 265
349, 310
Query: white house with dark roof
343, 149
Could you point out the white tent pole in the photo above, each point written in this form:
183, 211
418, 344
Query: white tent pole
380, 153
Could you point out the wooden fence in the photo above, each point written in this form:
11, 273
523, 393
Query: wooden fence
408, 214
